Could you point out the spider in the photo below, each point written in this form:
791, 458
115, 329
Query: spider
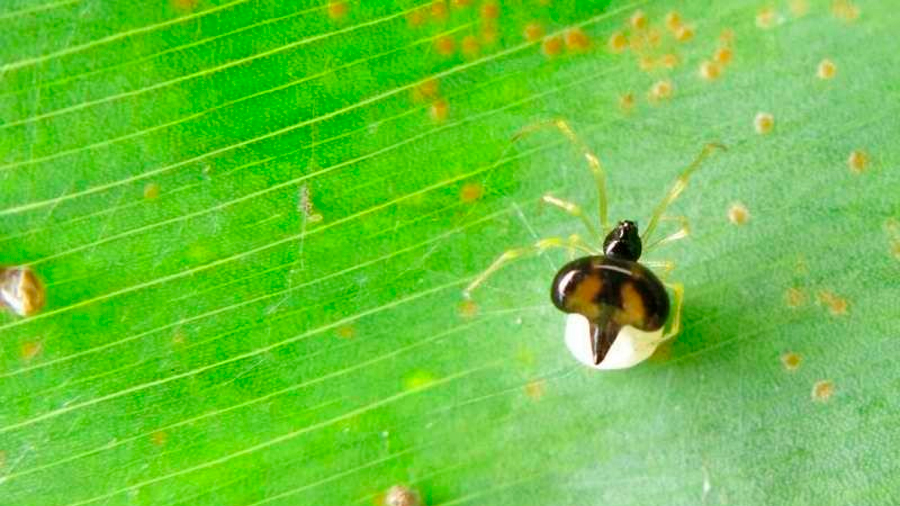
617, 307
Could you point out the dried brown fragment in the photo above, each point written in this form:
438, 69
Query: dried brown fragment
398, 495
21, 290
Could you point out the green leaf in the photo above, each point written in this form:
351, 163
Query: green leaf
255, 221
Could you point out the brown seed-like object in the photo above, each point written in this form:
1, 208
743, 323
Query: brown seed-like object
21, 290
398, 495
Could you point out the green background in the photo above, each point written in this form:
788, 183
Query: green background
213, 345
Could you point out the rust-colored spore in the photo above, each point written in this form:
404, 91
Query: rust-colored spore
468, 309
661, 90
684, 33
337, 9
723, 55
159, 438
470, 192
794, 297
151, 191
428, 90
822, 390
346, 332
490, 11
417, 18
845, 10
791, 361
439, 110
576, 40
439, 10
738, 214
826, 69
470, 46
763, 123
710, 70
30, 350
766, 18
669, 60
673, 21
535, 389
552, 46
857, 161
638, 20
445, 45
626, 102
533, 31
618, 42
836, 305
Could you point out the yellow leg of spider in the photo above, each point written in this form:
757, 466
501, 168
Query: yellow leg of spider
661, 267
677, 303
576, 211
572, 243
683, 231
592, 159
678, 187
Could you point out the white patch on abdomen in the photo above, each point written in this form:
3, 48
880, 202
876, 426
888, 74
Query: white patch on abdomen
631, 346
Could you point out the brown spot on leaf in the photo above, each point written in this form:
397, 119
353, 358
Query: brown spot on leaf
535, 389
30, 350
794, 297
836, 305
439, 110
346, 332
490, 11
468, 309
470, 46
151, 191
826, 69
738, 214
857, 161
337, 9
533, 31
159, 438
618, 42
576, 40
791, 361
470, 192
445, 45
552, 46
439, 10
822, 390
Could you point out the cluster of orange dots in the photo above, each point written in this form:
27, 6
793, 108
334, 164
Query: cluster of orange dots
654, 46
836, 305
446, 45
429, 91
844, 10
573, 40
713, 67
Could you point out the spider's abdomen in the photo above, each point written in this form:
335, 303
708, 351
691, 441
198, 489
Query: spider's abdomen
611, 293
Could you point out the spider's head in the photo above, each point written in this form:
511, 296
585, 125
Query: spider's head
623, 242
